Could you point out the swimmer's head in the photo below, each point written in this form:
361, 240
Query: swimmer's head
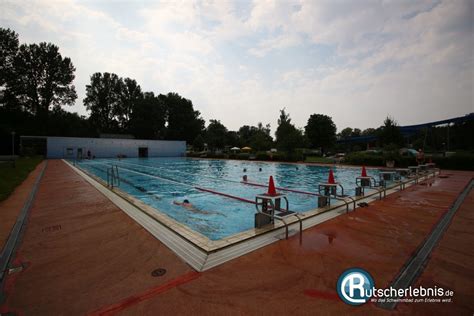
186, 201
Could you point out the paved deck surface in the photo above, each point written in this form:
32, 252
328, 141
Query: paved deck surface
85, 256
452, 265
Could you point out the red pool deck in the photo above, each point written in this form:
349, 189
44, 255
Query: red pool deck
85, 256
451, 265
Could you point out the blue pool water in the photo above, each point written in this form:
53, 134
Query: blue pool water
159, 182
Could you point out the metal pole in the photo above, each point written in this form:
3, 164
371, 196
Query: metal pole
448, 137
13, 144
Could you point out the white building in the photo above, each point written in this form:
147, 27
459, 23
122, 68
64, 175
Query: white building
75, 147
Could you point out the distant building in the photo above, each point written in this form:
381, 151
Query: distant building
75, 147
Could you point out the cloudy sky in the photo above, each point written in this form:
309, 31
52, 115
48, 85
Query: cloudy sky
241, 61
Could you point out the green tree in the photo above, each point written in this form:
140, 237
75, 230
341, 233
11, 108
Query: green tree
130, 94
198, 143
184, 123
147, 117
288, 137
257, 137
63, 123
356, 132
261, 138
103, 96
368, 132
8, 50
321, 131
346, 132
216, 135
233, 138
390, 133
245, 132
42, 78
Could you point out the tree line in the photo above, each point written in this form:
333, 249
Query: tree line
36, 84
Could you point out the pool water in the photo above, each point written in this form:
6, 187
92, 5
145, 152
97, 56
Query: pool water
159, 182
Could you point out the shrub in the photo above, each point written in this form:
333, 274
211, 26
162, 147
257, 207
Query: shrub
403, 162
317, 159
243, 156
459, 161
279, 156
362, 158
262, 155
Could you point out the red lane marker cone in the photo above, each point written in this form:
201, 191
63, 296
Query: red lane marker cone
331, 177
364, 172
271, 187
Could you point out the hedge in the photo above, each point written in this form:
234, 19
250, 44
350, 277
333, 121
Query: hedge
460, 161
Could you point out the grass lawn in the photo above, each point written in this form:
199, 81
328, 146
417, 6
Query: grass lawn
319, 159
11, 177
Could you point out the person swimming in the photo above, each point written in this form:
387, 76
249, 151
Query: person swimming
185, 203
244, 178
190, 207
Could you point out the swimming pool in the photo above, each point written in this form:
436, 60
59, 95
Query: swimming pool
159, 182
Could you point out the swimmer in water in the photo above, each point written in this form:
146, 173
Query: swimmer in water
188, 206
260, 169
244, 178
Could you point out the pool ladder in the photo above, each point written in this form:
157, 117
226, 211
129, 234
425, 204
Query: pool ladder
113, 178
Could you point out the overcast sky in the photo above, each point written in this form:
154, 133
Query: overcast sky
241, 61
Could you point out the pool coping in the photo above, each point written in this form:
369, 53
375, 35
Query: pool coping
202, 253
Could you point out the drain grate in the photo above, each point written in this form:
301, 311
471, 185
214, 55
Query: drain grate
158, 272
413, 268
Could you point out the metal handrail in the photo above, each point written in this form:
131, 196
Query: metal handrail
113, 176
108, 176
340, 199
274, 216
117, 175
335, 196
343, 197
